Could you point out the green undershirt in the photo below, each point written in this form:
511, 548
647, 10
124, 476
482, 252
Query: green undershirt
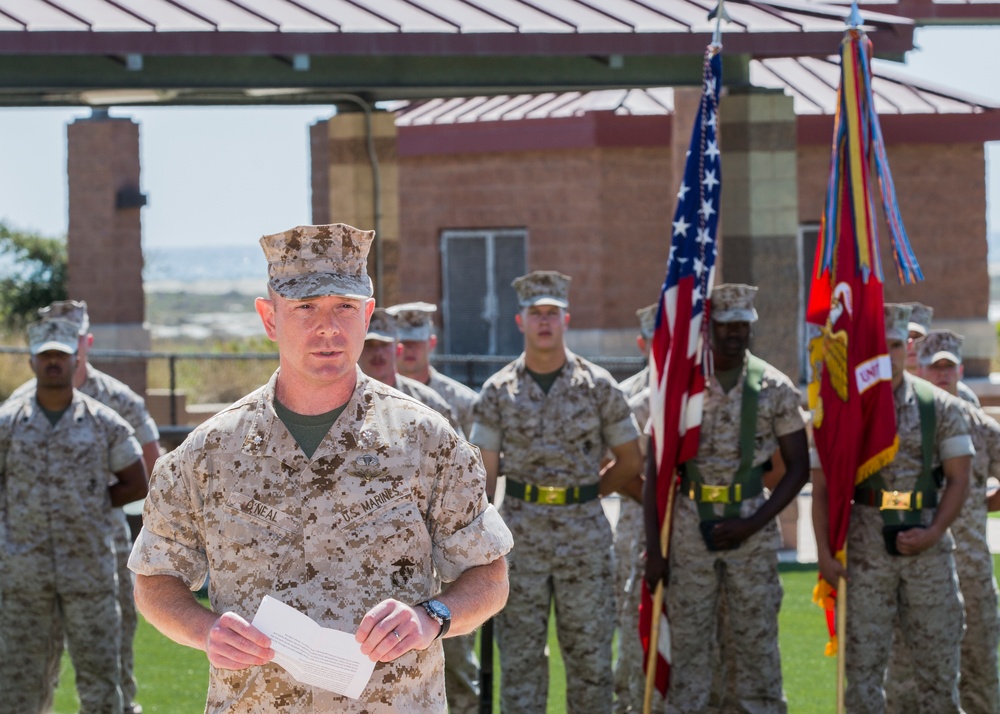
53, 416
545, 381
729, 378
307, 430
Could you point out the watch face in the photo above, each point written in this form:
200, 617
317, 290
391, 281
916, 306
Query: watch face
439, 609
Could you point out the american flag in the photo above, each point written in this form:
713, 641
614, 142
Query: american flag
677, 357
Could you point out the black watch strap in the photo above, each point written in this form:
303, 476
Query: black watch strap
440, 613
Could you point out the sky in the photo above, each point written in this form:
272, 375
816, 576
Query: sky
226, 176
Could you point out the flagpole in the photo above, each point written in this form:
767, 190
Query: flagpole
654, 633
841, 641
854, 23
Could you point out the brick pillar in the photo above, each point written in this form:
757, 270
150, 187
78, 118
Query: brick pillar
105, 238
759, 217
343, 187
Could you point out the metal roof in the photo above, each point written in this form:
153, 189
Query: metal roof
308, 51
398, 17
934, 12
811, 82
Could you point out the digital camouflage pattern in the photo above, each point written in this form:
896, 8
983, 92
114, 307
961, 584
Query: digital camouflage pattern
426, 395
897, 321
414, 320
647, 320
557, 439
542, 287
461, 666
746, 577
733, 302
132, 408
635, 384
940, 344
912, 588
561, 553
58, 335
381, 326
66, 567
71, 310
461, 398
921, 317
979, 685
630, 544
391, 504
111, 393
313, 261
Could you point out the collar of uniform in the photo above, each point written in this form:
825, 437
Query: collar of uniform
738, 387
33, 410
268, 436
904, 393
521, 363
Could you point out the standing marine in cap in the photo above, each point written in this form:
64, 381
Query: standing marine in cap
647, 323
378, 361
921, 317
132, 408
630, 542
939, 356
899, 549
329, 491
416, 338
65, 462
546, 422
725, 531
415, 332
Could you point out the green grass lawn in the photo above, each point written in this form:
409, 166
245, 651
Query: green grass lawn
173, 679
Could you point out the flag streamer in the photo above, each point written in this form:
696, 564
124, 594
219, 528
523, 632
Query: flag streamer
850, 388
858, 143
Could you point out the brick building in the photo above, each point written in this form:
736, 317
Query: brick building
489, 188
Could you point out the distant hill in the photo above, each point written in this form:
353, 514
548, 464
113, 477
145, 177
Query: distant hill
210, 270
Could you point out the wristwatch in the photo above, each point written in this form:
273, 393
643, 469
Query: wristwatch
440, 613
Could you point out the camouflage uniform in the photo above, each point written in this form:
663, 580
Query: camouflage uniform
413, 388
562, 553
461, 398
411, 321
746, 576
647, 325
391, 504
630, 544
132, 408
979, 684
922, 589
636, 383
461, 666
66, 571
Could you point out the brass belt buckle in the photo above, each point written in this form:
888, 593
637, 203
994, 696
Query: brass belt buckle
714, 494
552, 496
895, 500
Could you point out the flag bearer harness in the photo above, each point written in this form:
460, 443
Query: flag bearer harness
902, 510
748, 479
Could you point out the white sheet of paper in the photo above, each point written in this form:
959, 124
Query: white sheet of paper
314, 655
